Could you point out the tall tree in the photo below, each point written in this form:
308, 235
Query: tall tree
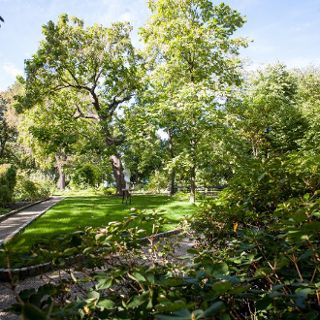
266, 115
194, 61
97, 62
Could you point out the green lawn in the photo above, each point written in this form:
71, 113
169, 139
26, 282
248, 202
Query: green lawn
76, 213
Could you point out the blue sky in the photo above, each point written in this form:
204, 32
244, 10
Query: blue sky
285, 31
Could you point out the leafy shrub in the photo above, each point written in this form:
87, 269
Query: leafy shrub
181, 195
158, 182
241, 273
274, 262
7, 183
28, 190
109, 191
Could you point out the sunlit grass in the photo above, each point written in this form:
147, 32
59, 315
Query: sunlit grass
76, 213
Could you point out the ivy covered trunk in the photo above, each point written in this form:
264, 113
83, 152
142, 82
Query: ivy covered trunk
117, 169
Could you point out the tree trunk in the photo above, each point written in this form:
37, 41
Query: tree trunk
117, 169
193, 185
172, 190
61, 184
193, 170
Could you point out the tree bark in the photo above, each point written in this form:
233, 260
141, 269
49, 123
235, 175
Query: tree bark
193, 146
61, 160
172, 190
193, 185
117, 169
61, 184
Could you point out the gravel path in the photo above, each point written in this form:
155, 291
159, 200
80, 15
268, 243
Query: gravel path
18, 221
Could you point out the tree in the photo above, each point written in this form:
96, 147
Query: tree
96, 62
142, 150
194, 61
52, 133
267, 115
8, 122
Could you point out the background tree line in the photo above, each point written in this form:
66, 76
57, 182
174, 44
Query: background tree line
180, 111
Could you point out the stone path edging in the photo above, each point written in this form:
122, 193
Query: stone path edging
25, 272
8, 214
22, 227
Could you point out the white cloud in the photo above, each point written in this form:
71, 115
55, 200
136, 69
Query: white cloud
11, 70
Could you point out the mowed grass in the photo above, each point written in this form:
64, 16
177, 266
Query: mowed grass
76, 213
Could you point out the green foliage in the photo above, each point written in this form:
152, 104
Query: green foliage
267, 116
275, 259
269, 272
158, 182
28, 190
7, 183
7, 131
87, 175
192, 55
109, 191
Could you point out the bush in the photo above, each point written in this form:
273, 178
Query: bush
28, 190
87, 175
244, 273
158, 182
109, 191
7, 183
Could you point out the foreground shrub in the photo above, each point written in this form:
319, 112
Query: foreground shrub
238, 272
7, 183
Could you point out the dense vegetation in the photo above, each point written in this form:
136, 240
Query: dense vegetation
179, 112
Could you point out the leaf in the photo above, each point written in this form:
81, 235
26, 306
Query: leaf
214, 309
168, 306
104, 283
218, 269
172, 282
105, 304
221, 287
93, 296
138, 300
301, 295
183, 314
